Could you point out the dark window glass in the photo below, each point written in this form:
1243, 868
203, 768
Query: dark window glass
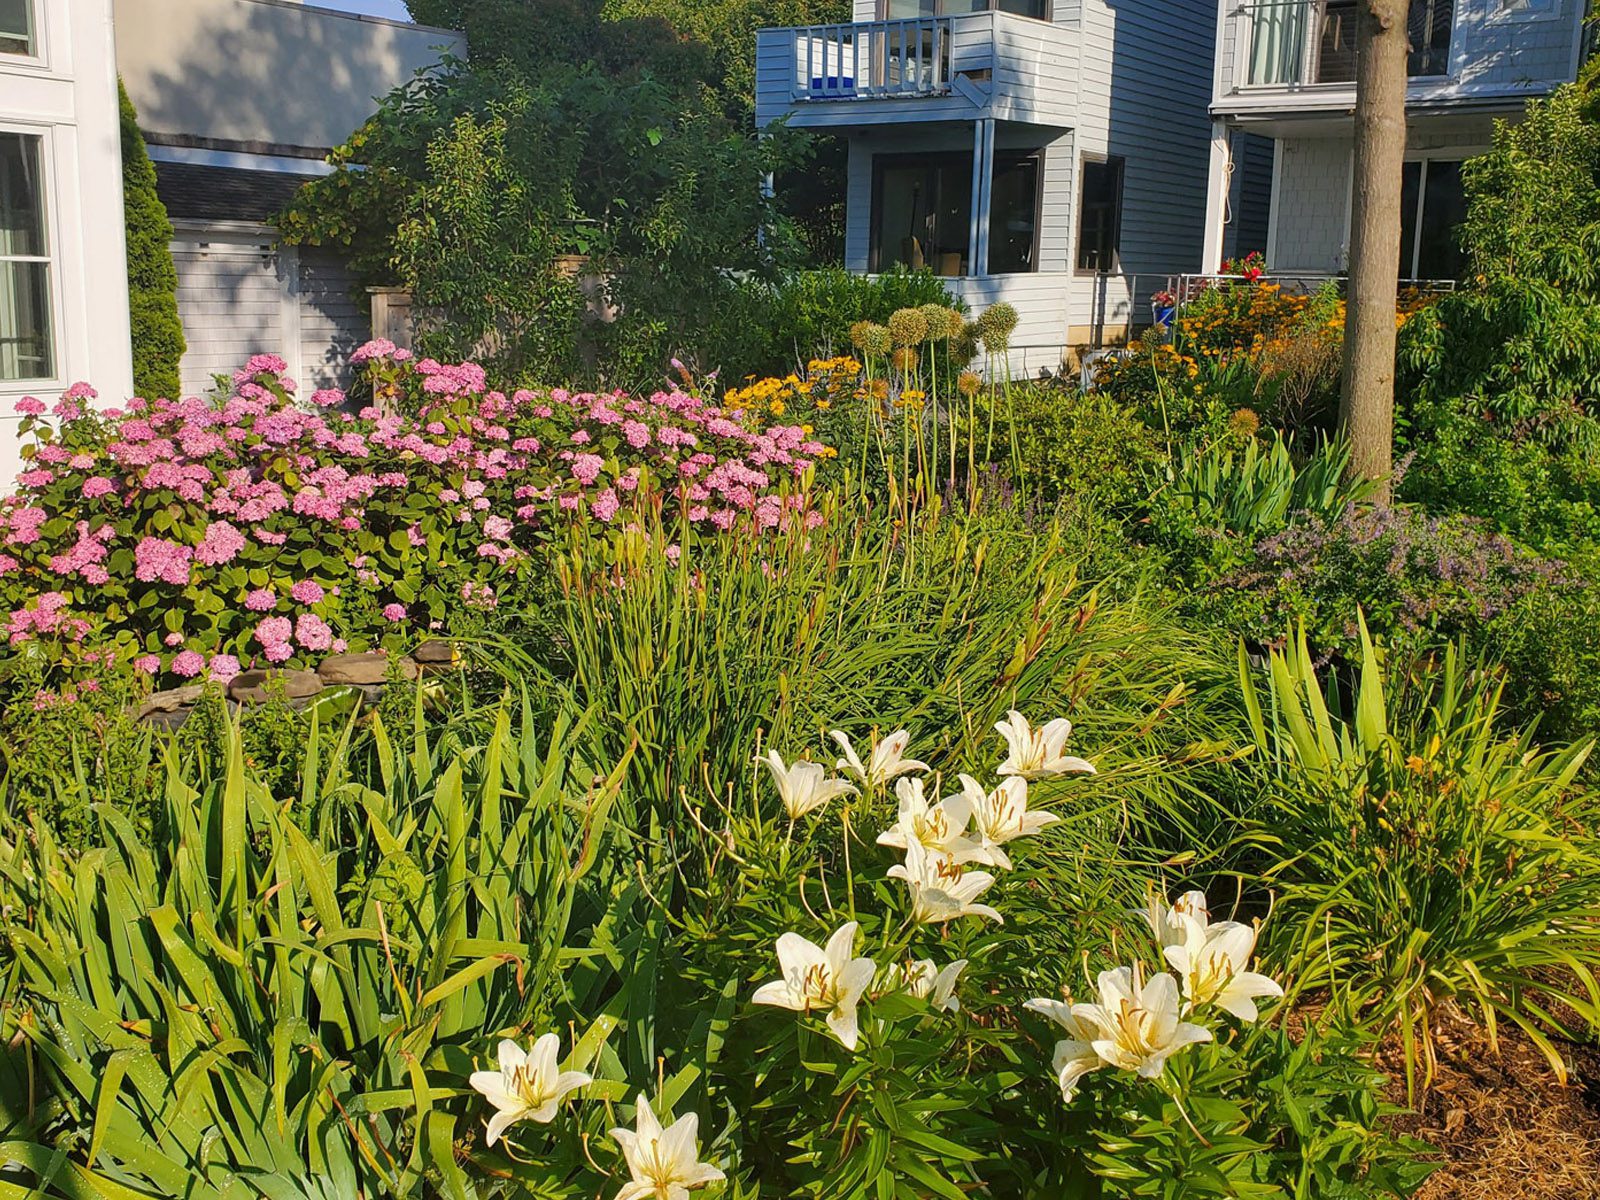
25, 341
1428, 27
1014, 216
1429, 248
16, 27
1100, 215
1444, 208
922, 212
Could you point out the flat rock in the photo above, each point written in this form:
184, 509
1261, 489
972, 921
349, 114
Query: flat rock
434, 653
363, 670
250, 687
170, 700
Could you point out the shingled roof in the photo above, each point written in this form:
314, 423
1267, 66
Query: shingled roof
194, 191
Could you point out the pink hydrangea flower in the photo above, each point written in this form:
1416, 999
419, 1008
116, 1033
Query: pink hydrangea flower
29, 406
148, 663
312, 632
274, 631
223, 667
188, 663
221, 544
307, 591
394, 612
261, 600
158, 560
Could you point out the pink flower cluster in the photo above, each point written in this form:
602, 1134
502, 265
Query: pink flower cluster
261, 510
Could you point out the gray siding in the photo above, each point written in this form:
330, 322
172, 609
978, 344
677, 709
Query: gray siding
1249, 197
1500, 49
333, 320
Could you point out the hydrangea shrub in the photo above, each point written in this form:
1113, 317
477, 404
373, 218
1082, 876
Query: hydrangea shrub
205, 534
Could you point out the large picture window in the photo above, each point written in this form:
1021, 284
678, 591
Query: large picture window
17, 34
1432, 205
1014, 215
25, 336
1100, 214
922, 212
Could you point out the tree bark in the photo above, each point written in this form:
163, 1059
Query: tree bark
1366, 409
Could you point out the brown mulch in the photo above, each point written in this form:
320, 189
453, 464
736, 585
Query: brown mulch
1505, 1126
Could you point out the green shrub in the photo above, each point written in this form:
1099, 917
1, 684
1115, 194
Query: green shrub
1424, 858
1499, 380
158, 343
783, 324
1082, 448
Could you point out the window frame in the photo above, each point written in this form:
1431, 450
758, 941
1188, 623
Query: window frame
1408, 270
1501, 13
1037, 157
40, 35
929, 160
1116, 240
49, 208
882, 11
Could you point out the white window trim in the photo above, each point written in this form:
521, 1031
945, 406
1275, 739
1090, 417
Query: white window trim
39, 60
1535, 12
52, 257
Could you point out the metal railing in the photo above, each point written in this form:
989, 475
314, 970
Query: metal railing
1290, 43
872, 59
1184, 288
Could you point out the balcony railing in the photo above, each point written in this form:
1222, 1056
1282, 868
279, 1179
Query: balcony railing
1290, 43
872, 59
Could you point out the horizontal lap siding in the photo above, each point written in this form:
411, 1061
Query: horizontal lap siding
1041, 304
333, 322
229, 300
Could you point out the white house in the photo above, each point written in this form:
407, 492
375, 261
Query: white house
1282, 141
1051, 153
240, 102
63, 272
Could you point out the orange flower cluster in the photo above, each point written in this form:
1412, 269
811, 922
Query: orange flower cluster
827, 380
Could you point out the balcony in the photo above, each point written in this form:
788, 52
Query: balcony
956, 67
1309, 47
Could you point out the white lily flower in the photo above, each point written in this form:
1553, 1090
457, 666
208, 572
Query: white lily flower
886, 762
527, 1085
1139, 1021
665, 1163
1075, 1055
819, 979
1171, 925
1212, 967
940, 827
1036, 753
803, 787
1002, 815
927, 982
941, 890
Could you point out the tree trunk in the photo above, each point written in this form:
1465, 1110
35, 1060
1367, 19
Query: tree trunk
1366, 410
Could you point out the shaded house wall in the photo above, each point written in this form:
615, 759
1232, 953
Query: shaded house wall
240, 102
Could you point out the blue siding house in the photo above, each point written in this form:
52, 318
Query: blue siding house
1050, 153
1283, 130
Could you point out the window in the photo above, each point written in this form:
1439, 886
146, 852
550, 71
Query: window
1014, 215
922, 212
1432, 205
16, 28
894, 10
1100, 214
25, 342
1428, 26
